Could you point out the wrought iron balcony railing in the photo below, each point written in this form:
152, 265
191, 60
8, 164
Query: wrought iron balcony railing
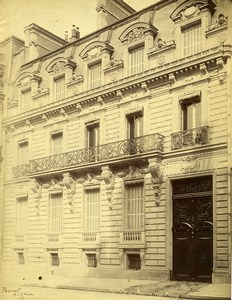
143, 144
191, 137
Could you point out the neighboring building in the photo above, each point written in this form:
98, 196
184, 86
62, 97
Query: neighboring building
117, 157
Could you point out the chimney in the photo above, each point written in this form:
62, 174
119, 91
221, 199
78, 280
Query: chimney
75, 34
66, 36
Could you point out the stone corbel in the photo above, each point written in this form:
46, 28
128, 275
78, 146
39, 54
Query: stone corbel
144, 87
36, 188
70, 185
220, 63
100, 100
172, 78
109, 179
28, 123
63, 112
156, 179
119, 95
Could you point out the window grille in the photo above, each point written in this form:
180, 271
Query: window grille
134, 206
91, 260
23, 152
136, 60
192, 39
92, 208
55, 259
21, 259
60, 88
21, 216
57, 143
55, 213
134, 261
95, 75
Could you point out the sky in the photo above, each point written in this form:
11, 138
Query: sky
56, 16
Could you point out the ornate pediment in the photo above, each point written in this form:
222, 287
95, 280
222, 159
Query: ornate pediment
191, 8
59, 65
95, 49
137, 32
25, 79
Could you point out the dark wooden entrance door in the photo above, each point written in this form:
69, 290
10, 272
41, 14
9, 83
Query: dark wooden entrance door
192, 229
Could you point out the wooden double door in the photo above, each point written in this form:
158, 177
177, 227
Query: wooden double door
192, 229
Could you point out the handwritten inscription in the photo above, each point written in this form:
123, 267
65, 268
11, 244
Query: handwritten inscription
15, 292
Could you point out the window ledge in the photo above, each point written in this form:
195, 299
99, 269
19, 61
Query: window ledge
41, 93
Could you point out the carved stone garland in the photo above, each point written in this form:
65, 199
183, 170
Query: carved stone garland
109, 180
156, 179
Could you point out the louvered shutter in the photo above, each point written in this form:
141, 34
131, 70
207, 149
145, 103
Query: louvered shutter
192, 39
92, 204
21, 216
55, 216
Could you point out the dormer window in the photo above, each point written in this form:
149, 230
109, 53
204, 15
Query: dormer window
192, 39
94, 75
60, 88
136, 60
26, 100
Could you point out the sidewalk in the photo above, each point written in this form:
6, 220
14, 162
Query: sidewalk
170, 289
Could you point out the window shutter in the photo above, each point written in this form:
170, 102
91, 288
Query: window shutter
192, 39
21, 216
92, 203
136, 60
60, 88
55, 216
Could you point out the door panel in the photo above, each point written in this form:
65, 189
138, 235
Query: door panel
192, 232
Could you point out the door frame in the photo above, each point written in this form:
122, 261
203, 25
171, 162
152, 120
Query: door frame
169, 213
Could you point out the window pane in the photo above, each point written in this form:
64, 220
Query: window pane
134, 209
55, 213
94, 76
92, 210
57, 142
136, 60
21, 216
23, 153
192, 38
60, 88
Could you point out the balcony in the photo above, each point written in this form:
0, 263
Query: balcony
132, 239
189, 138
105, 152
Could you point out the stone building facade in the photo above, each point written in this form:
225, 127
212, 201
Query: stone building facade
116, 146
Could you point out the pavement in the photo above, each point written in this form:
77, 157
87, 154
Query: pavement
169, 289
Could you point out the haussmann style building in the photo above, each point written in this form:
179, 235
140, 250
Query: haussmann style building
116, 146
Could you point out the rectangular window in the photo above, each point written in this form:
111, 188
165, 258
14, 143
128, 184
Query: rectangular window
134, 218
93, 141
94, 75
55, 259
136, 60
21, 216
23, 152
134, 125
21, 259
92, 210
57, 143
26, 100
91, 260
192, 39
55, 213
60, 88
134, 261
191, 114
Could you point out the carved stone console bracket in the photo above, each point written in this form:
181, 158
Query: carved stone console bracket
70, 184
36, 188
109, 179
156, 178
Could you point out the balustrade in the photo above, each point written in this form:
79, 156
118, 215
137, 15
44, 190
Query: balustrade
132, 236
53, 237
143, 144
191, 137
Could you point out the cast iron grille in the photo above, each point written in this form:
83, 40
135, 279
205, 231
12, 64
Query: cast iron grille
134, 261
91, 260
143, 144
191, 137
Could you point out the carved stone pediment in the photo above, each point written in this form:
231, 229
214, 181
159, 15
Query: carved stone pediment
137, 32
59, 65
95, 49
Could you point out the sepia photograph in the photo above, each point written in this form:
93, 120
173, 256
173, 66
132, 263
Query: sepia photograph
115, 149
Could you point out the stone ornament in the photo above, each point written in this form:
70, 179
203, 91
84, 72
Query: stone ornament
190, 164
70, 184
156, 179
36, 188
54, 185
109, 179
58, 67
135, 34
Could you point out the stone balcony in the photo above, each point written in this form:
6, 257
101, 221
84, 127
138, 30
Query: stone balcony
189, 138
132, 239
90, 240
89, 156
